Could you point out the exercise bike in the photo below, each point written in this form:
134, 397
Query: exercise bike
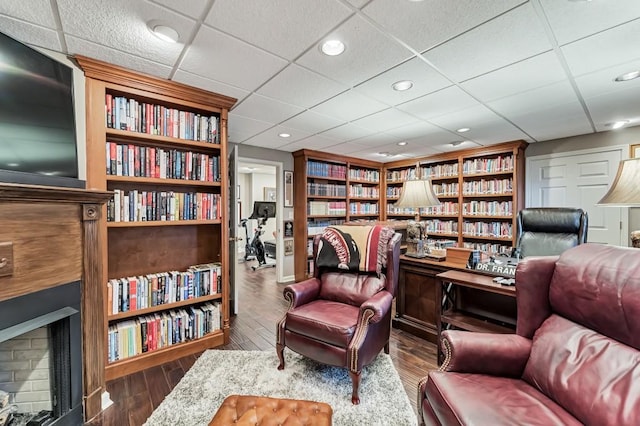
254, 249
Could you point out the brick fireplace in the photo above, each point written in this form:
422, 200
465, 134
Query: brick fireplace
51, 299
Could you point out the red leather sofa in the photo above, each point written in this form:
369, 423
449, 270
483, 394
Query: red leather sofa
574, 359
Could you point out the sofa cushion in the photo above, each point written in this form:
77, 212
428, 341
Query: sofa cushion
464, 399
324, 320
599, 287
594, 377
351, 288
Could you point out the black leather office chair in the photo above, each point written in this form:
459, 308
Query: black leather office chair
546, 231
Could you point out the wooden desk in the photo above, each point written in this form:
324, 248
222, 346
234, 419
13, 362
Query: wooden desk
473, 302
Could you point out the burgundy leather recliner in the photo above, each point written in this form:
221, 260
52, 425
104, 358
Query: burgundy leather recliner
341, 318
574, 359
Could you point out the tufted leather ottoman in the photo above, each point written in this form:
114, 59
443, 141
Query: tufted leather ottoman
244, 410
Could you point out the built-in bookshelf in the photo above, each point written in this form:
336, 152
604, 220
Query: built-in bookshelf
481, 191
161, 147
332, 190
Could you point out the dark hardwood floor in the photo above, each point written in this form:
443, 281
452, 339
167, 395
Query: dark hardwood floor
261, 306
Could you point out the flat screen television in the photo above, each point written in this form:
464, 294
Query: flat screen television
37, 119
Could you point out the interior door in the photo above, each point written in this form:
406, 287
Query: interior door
579, 179
233, 229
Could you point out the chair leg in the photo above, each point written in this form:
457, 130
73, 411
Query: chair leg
280, 351
386, 348
355, 382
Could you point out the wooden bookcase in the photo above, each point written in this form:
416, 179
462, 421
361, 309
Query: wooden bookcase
331, 190
478, 217
479, 207
176, 214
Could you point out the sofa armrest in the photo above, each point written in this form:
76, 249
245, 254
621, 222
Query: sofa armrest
379, 304
302, 293
485, 353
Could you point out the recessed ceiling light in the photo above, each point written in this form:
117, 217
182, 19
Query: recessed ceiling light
284, 135
165, 33
332, 47
402, 85
13, 164
402, 143
463, 129
628, 76
618, 124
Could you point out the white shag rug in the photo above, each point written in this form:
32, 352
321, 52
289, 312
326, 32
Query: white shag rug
219, 373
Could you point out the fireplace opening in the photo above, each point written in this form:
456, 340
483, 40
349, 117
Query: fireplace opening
40, 358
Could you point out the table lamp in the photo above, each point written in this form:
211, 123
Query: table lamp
625, 191
415, 194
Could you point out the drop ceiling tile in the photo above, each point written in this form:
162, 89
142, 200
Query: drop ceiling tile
112, 56
603, 50
263, 24
560, 93
123, 26
486, 127
210, 85
347, 132
553, 122
191, 8
270, 138
30, 34
220, 57
385, 120
441, 102
601, 82
315, 142
425, 80
310, 121
35, 11
424, 25
419, 129
346, 148
572, 20
376, 140
507, 39
243, 128
299, 86
349, 106
531, 73
615, 106
263, 108
368, 52
358, 3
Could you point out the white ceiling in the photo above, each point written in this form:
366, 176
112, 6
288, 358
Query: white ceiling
508, 69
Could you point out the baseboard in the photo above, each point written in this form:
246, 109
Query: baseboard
287, 279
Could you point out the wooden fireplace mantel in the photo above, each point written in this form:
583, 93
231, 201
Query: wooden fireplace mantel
49, 238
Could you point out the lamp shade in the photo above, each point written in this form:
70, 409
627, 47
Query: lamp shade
417, 193
625, 189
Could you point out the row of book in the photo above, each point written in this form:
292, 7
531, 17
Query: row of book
501, 163
438, 226
326, 189
315, 168
485, 187
401, 175
491, 248
156, 331
363, 208
439, 171
372, 176
487, 229
331, 208
488, 208
364, 191
134, 116
143, 161
143, 206
145, 291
